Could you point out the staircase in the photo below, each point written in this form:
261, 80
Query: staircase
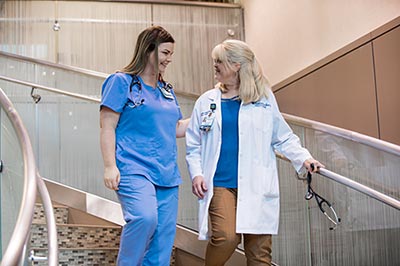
83, 239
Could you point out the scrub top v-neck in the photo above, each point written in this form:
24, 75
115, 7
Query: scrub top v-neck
146, 131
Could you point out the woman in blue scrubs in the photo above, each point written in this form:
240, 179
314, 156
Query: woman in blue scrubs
139, 121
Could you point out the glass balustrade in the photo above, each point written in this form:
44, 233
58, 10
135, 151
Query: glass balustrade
11, 179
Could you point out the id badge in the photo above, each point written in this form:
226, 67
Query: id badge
207, 121
207, 118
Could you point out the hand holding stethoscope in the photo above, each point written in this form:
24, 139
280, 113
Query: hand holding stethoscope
320, 200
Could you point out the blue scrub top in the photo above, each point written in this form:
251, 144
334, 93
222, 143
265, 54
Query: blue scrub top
146, 132
227, 166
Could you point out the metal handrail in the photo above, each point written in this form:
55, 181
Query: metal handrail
15, 247
32, 180
360, 188
354, 185
54, 90
50, 64
344, 133
50, 221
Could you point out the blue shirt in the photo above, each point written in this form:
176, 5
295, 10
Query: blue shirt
146, 130
227, 167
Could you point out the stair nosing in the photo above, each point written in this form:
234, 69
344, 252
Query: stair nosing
82, 225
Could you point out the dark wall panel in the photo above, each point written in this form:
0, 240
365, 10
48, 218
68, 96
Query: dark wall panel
342, 93
387, 67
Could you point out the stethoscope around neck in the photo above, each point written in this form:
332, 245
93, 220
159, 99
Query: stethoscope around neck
165, 89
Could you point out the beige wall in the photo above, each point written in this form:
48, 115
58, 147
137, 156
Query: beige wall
336, 62
355, 88
288, 35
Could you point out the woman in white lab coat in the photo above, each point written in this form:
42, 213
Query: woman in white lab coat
231, 140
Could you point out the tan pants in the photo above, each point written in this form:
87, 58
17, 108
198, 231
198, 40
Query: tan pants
224, 239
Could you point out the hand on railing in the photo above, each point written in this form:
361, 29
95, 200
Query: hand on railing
321, 201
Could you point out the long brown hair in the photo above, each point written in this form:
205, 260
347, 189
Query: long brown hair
147, 42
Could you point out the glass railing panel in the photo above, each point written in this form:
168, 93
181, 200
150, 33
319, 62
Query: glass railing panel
292, 244
11, 180
50, 76
188, 206
369, 229
68, 144
12, 68
362, 163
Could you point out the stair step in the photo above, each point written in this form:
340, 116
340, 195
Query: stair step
60, 214
84, 256
78, 236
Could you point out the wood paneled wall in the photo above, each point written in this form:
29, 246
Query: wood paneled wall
101, 36
357, 88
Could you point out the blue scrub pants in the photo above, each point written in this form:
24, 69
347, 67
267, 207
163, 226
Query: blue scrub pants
150, 214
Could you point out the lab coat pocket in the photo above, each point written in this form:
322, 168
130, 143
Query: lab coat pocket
269, 182
263, 181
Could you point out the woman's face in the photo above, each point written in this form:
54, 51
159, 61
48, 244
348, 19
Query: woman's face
224, 74
165, 51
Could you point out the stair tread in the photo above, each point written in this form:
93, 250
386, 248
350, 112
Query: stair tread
55, 205
79, 242
79, 248
82, 225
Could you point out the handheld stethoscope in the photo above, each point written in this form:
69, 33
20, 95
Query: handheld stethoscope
320, 201
166, 91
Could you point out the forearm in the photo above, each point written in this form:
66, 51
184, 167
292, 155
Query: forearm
181, 127
107, 145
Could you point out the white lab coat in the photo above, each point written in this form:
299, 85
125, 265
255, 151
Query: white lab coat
262, 130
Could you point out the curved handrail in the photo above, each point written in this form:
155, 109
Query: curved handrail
15, 247
51, 222
344, 133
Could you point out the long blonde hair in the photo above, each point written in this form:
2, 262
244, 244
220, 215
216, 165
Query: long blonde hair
147, 42
253, 84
